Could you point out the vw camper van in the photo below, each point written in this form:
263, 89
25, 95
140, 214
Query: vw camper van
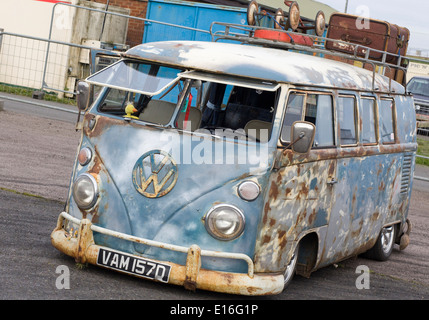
232, 165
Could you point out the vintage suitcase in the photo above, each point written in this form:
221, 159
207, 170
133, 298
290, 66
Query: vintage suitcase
376, 34
398, 42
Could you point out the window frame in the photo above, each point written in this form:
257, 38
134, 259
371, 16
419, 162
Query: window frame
304, 111
393, 118
356, 119
376, 121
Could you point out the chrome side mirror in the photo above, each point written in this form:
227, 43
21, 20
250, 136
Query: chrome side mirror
302, 133
82, 95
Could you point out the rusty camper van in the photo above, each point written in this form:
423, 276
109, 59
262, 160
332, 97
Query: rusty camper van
232, 166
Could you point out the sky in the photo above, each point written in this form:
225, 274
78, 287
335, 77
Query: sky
413, 14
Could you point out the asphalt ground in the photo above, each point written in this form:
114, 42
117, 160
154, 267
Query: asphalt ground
37, 151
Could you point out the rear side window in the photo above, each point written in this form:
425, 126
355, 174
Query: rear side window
314, 108
387, 122
347, 115
369, 133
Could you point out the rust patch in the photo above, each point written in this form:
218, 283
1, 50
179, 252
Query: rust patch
274, 190
357, 232
282, 240
380, 169
266, 239
312, 217
331, 168
267, 208
375, 216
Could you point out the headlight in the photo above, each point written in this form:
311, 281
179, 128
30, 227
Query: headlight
85, 191
248, 190
224, 222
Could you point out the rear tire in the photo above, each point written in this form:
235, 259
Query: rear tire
384, 246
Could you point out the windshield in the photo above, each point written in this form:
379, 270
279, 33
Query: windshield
211, 104
137, 77
419, 86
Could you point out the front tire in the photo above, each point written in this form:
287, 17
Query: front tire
290, 268
384, 246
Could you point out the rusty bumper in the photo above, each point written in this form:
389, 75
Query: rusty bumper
191, 276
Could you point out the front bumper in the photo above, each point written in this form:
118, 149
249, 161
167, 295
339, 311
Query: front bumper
191, 276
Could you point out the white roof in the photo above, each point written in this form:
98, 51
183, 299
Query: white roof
256, 62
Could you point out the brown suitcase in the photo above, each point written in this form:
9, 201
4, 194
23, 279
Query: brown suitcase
380, 35
398, 42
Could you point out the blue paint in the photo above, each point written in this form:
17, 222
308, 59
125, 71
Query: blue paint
188, 14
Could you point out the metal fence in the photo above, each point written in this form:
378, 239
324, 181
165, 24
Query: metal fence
44, 63
35, 63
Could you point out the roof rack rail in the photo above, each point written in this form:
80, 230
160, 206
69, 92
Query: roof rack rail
246, 34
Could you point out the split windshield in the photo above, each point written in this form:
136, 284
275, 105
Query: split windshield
188, 100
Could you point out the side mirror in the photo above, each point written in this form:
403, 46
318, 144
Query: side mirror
302, 133
82, 95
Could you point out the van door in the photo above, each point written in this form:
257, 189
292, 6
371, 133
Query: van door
300, 192
346, 215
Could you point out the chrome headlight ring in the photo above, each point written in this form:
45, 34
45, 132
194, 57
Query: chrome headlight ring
85, 191
224, 222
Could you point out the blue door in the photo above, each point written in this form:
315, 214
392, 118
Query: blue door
188, 14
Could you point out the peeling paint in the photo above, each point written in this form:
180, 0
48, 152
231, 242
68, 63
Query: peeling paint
331, 203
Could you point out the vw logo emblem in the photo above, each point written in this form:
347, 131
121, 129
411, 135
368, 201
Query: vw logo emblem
155, 174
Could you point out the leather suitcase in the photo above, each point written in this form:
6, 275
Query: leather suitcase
398, 42
380, 35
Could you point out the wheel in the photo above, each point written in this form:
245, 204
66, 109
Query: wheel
383, 248
252, 10
320, 23
291, 268
293, 19
280, 19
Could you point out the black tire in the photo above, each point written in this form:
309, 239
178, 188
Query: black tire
290, 270
383, 248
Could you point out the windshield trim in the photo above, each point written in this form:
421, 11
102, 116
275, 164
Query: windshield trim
256, 84
126, 88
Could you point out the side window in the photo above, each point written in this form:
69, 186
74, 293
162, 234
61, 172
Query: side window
347, 118
369, 134
387, 121
293, 113
319, 111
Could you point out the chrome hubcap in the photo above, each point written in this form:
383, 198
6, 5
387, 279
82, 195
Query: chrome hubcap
290, 269
386, 239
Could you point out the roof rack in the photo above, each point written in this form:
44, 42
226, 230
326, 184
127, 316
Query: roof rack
246, 34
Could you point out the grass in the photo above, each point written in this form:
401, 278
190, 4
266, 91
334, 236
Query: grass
422, 150
28, 92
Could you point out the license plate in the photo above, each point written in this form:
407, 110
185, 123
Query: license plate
134, 265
